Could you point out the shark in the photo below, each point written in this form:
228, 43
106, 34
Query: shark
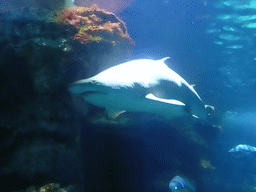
142, 85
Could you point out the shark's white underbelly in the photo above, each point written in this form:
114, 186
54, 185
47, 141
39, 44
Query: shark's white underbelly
119, 100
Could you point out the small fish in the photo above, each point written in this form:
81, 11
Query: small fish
242, 148
178, 183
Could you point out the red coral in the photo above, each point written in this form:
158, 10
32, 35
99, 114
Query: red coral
70, 17
93, 22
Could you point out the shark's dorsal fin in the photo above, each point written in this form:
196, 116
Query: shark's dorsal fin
164, 59
112, 113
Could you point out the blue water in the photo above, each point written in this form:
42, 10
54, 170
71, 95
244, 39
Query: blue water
145, 156
178, 29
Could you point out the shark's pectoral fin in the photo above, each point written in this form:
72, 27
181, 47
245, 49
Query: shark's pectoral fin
177, 108
112, 113
169, 101
169, 108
